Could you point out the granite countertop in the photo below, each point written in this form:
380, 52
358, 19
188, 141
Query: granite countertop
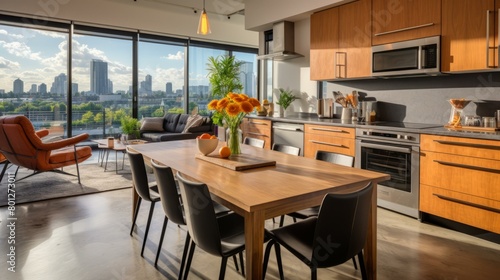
433, 129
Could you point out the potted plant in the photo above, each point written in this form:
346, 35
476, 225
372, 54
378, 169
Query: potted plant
130, 128
224, 77
285, 99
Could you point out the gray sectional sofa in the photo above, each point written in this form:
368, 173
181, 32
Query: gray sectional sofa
175, 127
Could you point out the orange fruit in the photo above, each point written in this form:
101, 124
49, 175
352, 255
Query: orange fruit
205, 136
213, 137
224, 152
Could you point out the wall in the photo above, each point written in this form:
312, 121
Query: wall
152, 16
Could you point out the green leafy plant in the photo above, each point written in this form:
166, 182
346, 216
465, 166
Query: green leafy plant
286, 98
224, 75
130, 126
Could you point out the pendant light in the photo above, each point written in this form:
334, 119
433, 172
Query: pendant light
204, 25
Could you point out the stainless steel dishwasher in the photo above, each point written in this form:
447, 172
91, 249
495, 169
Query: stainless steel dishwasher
289, 134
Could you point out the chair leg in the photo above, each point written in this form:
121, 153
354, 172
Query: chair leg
362, 267
277, 251
354, 263
137, 206
77, 168
314, 273
151, 210
236, 263
223, 265
242, 264
3, 170
162, 236
266, 257
190, 258
282, 220
184, 254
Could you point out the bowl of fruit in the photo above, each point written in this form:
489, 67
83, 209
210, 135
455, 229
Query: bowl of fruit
207, 143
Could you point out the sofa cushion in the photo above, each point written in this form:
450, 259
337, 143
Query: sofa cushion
193, 121
170, 122
181, 123
152, 124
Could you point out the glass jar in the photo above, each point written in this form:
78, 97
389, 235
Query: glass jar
472, 121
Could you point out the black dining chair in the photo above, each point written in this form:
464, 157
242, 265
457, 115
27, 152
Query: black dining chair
335, 236
173, 208
143, 188
220, 236
259, 143
287, 149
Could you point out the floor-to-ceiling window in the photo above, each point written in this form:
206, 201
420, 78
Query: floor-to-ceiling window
33, 74
248, 72
161, 76
102, 81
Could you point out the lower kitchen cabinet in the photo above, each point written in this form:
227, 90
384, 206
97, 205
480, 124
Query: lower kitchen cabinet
258, 128
460, 180
330, 139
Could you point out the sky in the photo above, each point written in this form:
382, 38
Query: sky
37, 56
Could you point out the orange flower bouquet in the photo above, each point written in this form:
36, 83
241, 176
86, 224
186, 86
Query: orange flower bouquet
231, 110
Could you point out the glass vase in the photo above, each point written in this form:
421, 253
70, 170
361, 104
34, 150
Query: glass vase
234, 140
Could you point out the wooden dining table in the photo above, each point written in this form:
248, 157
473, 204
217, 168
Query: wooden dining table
261, 193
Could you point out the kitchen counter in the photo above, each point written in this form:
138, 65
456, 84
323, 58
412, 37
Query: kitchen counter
433, 129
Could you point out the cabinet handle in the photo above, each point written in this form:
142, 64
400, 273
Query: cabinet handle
257, 134
488, 39
326, 143
472, 145
404, 29
491, 209
263, 123
329, 130
498, 46
478, 168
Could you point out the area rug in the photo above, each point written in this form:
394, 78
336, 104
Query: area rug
50, 185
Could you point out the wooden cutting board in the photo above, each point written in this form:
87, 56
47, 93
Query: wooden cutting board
237, 162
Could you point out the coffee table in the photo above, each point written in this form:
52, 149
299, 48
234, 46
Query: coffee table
118, 146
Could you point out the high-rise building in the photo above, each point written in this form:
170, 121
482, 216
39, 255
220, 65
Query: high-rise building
74, 88
148, 85
99, 77
42, 88
168, 89
110, 86
33, 88
18, 86
247, 78
59, 85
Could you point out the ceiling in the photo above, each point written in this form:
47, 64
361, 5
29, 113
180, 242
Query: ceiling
219, 7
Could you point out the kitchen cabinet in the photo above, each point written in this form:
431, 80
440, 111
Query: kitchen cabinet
340, 42
258, 128
402, 20
330, 139
460, 179
469, 38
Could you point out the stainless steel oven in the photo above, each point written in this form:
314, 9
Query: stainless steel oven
397, 154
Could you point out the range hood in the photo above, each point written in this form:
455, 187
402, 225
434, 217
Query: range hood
282, 46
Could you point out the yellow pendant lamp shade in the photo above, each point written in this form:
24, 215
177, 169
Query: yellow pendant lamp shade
204, 25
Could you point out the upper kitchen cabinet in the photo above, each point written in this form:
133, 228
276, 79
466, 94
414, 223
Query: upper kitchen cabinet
402, 20
469, 35
324, 43
340, 42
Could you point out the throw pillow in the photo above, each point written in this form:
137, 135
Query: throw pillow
193, 121
152, 124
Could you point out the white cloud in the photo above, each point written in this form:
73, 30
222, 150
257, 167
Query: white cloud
8, 64
51, 34
21, 50
17, 36
178, 56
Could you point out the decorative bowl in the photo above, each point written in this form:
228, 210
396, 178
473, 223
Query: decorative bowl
206, 146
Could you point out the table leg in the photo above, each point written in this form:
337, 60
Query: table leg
254, 244
370, 252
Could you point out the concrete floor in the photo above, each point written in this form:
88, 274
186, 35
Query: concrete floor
87, 237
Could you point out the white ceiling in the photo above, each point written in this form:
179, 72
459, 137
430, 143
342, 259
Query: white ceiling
220, 7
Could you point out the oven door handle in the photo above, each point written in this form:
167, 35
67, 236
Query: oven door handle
386, 147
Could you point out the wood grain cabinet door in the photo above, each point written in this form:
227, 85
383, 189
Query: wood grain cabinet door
402, 20
469, 35
324, 43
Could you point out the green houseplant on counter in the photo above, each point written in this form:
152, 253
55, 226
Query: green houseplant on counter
285, 99
130, 128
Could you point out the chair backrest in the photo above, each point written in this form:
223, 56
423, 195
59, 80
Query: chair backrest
254, 142
19, 142
139, 174
341, 227
169, 197
200, 215
287, 149
335, 158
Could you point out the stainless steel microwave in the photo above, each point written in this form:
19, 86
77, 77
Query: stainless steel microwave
414, 57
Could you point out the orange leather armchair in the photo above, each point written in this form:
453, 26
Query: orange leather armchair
23, 146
